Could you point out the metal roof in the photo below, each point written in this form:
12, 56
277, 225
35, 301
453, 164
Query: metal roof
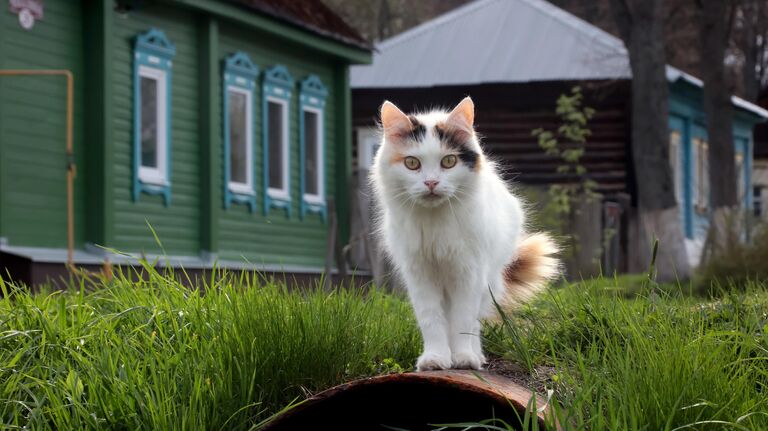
674, 74
503, 41
492, 41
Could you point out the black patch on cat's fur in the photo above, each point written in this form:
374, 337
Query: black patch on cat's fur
456, 141
469, 157
418, 131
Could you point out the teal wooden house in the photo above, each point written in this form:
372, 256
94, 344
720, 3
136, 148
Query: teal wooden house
689, 155
223, 125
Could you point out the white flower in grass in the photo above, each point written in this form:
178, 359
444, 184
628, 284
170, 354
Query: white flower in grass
181, 314
82, 341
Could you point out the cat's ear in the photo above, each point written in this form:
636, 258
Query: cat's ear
463, 115
394, 121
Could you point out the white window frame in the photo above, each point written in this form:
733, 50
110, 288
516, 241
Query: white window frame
282, 193
159, 174
320, 197
367, 139
675, 141
739, 163
234, 186
701, 157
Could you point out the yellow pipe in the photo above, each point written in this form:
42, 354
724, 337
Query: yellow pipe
71, 168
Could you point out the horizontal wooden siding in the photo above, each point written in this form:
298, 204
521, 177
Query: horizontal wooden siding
33, 161
275, 239
176, 225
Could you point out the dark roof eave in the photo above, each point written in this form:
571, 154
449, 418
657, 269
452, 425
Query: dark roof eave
358, 41
352, 54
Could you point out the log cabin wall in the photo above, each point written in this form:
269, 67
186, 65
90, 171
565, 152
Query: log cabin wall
508, 113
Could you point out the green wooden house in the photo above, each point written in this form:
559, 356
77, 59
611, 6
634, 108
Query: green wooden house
223, 125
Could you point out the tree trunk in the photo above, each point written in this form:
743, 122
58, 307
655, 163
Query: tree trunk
749, 47
750, 38
640, 24
383, 20
716, 16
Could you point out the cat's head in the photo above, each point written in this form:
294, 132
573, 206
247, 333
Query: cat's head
427, 159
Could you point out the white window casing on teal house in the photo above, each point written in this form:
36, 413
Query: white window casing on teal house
688, 133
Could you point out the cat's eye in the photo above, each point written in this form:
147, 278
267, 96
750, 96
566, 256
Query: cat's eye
448, 161
412, 163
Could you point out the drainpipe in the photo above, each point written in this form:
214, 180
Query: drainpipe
71, 168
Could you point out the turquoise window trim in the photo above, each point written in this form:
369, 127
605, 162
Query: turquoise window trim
688, 175
700, 213
239, 72
277, 85
152, 50
312, 98
743, 147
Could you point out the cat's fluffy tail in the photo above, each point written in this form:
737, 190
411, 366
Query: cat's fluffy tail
535, 265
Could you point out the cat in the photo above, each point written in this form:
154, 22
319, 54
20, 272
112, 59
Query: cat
453, 230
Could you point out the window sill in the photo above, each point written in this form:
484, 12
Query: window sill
152, 187
314, 200
315, 205
240, 196
154, 181
243, 190
278, 195
277, 199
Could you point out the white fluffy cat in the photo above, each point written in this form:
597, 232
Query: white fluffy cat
453, 230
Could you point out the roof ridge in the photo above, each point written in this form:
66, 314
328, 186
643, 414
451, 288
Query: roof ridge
578, 24
549, 9
434, 22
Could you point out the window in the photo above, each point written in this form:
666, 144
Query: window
151, 115
368, 143
239, 83
701, 190
312, 146
153, 124
739, 168
277, 87
757, 201
277, 132
239, 128
313, 155
675, 139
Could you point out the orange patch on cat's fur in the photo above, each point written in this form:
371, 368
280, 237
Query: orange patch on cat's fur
479, 162
397, 158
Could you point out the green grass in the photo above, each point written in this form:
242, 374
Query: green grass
659, 361
158, 356
619, 353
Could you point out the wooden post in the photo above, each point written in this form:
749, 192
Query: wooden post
330, 250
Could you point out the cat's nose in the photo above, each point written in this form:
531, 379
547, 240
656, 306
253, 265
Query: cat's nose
431, 184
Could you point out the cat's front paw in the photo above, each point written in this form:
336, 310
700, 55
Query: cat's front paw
467, 360
433, 361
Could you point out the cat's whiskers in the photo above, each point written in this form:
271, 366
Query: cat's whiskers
452, 211
399, 195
